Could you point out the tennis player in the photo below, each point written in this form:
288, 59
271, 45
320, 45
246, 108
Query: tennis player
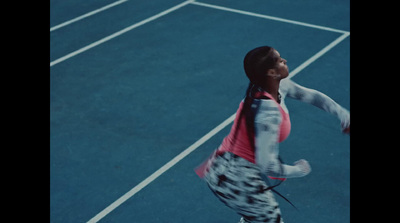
240, 170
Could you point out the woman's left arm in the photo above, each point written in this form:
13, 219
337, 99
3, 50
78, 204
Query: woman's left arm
318, 99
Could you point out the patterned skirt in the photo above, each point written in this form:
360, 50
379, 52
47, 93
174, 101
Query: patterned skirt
239, 185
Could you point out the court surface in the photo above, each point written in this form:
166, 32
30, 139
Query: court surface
141, 92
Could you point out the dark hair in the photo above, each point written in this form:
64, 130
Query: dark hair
256, 63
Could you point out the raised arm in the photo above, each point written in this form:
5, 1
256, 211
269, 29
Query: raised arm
318, 99
266, 125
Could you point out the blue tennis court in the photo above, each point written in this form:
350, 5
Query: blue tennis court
141, 92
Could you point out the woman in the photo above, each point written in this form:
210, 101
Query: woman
237, 169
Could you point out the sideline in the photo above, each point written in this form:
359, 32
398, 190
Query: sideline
112, 36
86, 15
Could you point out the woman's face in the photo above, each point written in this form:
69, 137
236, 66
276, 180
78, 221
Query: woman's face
281, 67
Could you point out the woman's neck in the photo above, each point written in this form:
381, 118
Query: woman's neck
272, 87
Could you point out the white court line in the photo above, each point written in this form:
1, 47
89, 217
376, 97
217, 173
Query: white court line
200, 142
107, 38
160, 171
86, 15
319, 54
268, 17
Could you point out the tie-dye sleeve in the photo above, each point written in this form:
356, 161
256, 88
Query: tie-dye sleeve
318, 99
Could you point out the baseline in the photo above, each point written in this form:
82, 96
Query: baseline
268, 17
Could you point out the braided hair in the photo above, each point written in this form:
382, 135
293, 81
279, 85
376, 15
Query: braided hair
256, 64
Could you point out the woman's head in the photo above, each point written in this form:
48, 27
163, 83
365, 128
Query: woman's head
263, 63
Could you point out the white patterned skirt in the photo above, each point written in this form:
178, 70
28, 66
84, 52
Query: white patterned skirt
239, 185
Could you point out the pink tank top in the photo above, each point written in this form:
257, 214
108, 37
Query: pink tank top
241, 145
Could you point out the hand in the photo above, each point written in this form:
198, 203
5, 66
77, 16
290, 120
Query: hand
345, 126
304, 166
346, 130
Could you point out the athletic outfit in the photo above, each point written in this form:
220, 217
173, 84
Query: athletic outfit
237, 170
